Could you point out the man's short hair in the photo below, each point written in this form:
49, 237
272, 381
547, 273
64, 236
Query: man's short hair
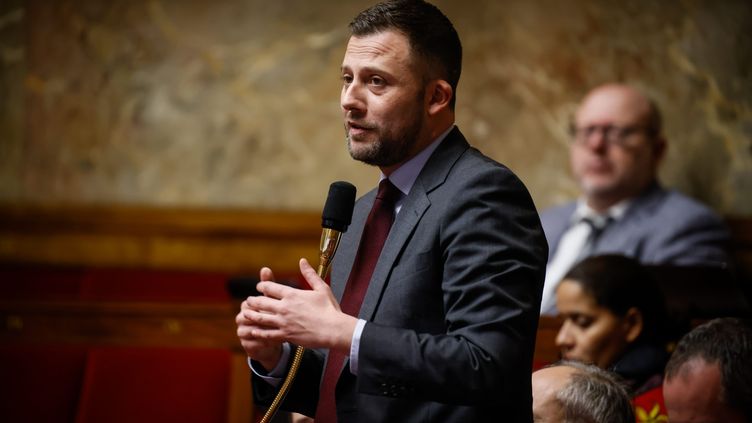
431, 34
726, 342
594, 395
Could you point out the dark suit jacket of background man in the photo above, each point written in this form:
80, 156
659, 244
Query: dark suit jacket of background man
453, 303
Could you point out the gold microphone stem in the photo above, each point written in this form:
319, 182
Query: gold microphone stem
327, 247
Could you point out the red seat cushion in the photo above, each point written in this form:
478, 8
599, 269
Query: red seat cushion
40, 383
649, 406
155, 385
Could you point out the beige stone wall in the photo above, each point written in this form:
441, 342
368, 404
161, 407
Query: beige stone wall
236, 103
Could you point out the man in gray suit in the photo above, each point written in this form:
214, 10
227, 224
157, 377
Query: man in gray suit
447, 325
617, 145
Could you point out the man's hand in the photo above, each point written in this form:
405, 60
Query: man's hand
310, 318
267, 352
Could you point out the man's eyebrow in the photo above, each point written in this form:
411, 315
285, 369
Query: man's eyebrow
367, 69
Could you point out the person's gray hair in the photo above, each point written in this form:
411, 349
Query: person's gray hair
594, 395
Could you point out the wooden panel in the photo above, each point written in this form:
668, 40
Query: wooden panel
120, 323
193, 239
741, 243
546, 350
230, 240
741, 232
240, 406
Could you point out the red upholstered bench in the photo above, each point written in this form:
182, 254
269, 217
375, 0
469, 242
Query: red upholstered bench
40, 383
155, 385
81, 379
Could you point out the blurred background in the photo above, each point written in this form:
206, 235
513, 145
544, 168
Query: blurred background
236, 103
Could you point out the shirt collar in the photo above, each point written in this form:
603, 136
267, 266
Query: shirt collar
615, 212
406, 175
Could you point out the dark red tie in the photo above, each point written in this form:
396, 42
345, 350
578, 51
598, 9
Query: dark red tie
371, 242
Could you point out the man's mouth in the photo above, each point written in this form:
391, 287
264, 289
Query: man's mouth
599, 167
355, 129
357, 125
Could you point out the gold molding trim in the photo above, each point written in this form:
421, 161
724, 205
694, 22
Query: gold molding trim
149, 237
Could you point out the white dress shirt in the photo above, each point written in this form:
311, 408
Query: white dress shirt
570, 248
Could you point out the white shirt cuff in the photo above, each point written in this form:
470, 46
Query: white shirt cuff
355, 346
275, 376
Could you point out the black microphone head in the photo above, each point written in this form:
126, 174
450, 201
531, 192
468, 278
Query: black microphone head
339, 205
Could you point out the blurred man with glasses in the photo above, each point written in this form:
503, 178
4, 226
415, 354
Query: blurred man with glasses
617, 145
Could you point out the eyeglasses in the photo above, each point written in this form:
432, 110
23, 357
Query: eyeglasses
612, 134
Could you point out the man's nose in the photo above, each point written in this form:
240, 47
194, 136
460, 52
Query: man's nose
597, 139
352, 98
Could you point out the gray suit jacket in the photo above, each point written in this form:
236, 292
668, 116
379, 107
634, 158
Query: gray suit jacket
659, 227
453, 303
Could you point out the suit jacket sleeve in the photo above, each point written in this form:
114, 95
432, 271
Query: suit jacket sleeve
302, 397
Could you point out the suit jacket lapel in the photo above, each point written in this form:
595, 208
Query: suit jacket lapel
407, 219
434, 173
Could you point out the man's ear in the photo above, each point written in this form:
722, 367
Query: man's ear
659, 148
633, 324
438, 96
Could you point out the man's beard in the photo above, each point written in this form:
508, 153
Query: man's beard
392, 147
389, 148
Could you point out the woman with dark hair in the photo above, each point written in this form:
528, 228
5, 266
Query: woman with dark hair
614, 316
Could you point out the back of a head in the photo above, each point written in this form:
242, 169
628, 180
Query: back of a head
594, 395
619, 283
726, 342
431, 34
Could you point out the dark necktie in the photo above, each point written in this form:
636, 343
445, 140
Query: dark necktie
597, 225
371, 242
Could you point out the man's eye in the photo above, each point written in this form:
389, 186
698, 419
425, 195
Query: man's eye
347, 79
377, 81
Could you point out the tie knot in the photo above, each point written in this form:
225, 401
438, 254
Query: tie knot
598, 222
388, 193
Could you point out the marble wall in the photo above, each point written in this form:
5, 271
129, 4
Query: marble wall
230, 103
